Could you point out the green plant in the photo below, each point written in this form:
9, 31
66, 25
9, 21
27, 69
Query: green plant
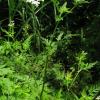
46, 52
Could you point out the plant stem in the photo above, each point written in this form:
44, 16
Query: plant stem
75, 78
45, 71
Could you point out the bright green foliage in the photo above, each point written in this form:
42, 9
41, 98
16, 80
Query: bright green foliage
81, 59
79, 2
45, 54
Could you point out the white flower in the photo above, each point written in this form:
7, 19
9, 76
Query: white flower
34, 2
98, 98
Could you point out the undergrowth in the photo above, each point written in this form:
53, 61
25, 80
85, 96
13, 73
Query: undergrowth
42, 55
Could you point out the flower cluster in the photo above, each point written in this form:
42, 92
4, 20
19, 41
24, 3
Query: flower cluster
98, 98
34, 2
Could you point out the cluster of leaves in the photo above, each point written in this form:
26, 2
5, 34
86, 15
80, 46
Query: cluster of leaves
43, 56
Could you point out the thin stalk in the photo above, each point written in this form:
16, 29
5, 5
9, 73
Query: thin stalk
42, 7
82, 35
54, 32
75, 78
57, 23
44, 77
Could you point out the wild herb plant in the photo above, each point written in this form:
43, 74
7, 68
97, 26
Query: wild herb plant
43, 56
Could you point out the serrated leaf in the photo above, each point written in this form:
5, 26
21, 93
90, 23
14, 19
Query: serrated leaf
5, 71
64, 9
60, 36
